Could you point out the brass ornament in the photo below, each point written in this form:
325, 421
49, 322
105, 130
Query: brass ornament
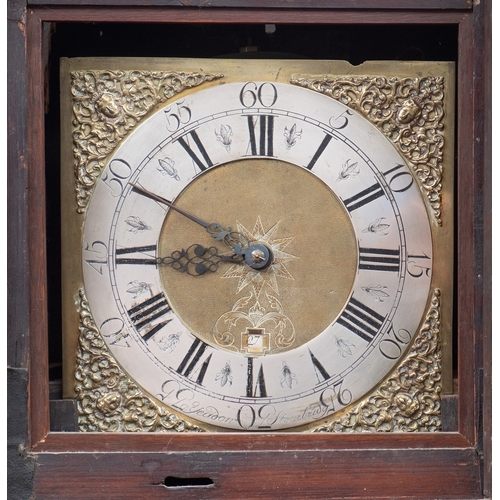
107, 105
409, 400
107, 400
409, 111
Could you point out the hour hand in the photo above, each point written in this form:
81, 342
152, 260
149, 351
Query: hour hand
197, 260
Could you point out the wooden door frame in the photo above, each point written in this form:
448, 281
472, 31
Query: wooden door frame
446, 464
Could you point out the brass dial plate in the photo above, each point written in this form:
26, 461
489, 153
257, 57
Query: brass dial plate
387, 261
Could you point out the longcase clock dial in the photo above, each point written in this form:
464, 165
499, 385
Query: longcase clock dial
266, 255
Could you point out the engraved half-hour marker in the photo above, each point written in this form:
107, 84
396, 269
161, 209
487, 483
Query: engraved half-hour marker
166, 166
224, 376
378, 226
137, 288
168, 344
288, 378
292, 135
344, 347
349, 170
378, 292
224, 136
136, 224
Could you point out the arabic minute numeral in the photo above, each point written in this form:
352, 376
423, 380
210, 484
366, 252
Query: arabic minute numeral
265, 415
400, 181
99, 252
113, 329
340, 121
115, 175
246, 417
333, 395
393, 346
418, 265
265, 94
177, 117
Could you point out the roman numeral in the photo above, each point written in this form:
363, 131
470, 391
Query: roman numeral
324, 143
379, 259
143, 315
366, 196
260, 386
191, 360
204, 163
319, 368
361, 320
131, 260
265, 124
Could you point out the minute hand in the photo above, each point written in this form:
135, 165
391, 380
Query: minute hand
232, 239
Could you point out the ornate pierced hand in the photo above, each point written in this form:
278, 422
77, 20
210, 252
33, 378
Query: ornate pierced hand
231, 239
257, 255
197, 260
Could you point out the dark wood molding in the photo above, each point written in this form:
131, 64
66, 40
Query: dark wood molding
154, 14
17, 196
271, 4
282, 465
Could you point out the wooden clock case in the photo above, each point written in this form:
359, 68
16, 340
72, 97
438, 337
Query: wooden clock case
46, 458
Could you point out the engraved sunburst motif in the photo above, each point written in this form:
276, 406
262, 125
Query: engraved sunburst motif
257, 279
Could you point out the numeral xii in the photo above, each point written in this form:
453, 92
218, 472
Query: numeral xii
264, 125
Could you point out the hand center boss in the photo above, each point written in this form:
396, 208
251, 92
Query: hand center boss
197, 259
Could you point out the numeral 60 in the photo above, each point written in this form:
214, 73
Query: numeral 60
266, 94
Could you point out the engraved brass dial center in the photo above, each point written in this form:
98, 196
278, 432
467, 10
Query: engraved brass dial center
299, 263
